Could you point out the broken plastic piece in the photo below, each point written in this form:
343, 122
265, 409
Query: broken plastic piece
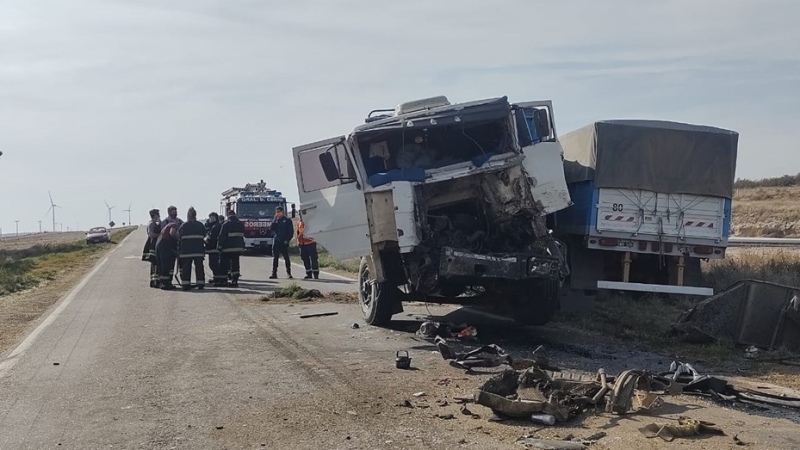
544, 419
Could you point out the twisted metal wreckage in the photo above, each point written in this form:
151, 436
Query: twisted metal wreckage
533, 386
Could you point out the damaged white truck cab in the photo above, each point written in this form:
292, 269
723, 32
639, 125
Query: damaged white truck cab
444, 203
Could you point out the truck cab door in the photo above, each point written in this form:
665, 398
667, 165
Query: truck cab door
332, 203
544, 157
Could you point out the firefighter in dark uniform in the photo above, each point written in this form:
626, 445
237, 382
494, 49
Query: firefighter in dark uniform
213, 227
149, 252
192, 250
282, 233
167, 253
231, 246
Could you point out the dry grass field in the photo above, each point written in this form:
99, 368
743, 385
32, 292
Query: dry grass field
767, 212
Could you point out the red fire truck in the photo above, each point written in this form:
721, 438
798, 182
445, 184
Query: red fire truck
255, 206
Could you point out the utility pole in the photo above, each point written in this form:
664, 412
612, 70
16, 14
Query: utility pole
17, 222
40, 227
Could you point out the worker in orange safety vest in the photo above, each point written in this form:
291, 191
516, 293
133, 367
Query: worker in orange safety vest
308, 251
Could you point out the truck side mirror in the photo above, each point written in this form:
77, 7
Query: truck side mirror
541, 122
329, 166
294, 211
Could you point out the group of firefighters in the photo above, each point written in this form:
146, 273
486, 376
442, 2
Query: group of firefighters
172, 242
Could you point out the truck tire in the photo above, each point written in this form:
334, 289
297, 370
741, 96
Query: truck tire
539, 302
377, 309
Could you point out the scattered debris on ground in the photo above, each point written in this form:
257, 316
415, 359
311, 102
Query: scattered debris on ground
467, 361
430, 330
721, 390
686, 427
532, 392
402, 361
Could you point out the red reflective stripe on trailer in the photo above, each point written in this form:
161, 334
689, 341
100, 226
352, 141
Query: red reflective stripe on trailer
620, 218
700, 224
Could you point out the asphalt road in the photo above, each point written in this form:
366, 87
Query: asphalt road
117, 364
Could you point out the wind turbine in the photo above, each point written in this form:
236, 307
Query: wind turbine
53, 207
109, 213
129, 213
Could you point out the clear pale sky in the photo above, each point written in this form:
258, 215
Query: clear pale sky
155, 102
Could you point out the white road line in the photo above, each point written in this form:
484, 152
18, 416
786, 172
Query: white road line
15, 355
326, 273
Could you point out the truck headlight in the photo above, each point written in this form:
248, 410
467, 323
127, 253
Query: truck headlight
539, 267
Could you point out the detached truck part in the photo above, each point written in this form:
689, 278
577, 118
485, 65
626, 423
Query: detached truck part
443, 203
652, 199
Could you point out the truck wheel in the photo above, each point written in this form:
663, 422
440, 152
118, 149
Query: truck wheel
377, 309
539, 302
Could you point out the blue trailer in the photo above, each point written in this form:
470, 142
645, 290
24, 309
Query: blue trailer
651, 200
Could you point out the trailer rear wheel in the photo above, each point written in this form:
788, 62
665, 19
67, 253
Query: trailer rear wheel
377, 305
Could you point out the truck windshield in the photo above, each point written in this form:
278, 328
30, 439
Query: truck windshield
433, 147
260, 210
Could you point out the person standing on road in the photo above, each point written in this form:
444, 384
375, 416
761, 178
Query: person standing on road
282, 233
231, 246
172, 216
149, 252
308, 251
212, 238
192, 250
167, 253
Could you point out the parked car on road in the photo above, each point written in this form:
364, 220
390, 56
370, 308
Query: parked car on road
97, 235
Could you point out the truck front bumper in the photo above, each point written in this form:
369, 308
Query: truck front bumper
258, 243
507, 266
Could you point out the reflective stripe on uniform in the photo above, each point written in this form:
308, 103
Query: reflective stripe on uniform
235, 234
193, 236
232, 250
212, 251
193, 255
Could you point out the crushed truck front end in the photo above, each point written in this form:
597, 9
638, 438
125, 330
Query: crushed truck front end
452, 200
